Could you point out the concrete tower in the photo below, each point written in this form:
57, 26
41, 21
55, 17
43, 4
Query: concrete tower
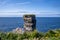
29, 22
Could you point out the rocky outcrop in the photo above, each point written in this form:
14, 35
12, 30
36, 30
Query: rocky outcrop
19, 30
29, 22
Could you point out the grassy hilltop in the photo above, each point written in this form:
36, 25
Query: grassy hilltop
50, 35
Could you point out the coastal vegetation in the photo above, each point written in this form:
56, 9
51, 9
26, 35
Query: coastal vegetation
34, 35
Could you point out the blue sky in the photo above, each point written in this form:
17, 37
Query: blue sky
41, 8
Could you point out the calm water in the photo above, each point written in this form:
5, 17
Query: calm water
43, 23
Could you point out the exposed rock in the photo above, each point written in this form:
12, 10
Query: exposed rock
29, 22
19, 30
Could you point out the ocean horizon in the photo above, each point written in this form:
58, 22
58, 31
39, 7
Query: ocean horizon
43, 24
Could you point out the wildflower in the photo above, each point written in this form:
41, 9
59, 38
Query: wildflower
56, 35
46, 37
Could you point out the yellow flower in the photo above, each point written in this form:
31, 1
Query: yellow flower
56, 35
46, 37
8, 33
59, 34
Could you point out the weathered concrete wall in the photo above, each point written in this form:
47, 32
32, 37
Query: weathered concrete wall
29, 22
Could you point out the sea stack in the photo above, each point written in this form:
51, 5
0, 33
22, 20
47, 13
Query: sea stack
29, 22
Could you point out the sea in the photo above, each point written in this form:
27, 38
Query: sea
43, 24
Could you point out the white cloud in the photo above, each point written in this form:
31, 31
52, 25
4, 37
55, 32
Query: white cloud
21, 13
24, 3
11, 11
9, 2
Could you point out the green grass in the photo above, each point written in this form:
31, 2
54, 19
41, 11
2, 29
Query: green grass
50, 35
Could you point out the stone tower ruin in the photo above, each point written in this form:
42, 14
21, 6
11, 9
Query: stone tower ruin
29, 22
